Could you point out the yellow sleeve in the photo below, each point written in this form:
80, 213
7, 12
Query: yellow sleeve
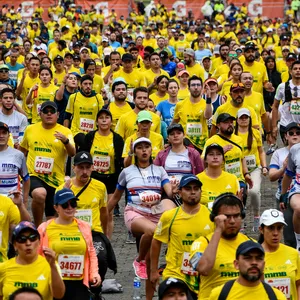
254, 117
24, 143
197, 249
14, 214
2, 277
126, 147
120, 129
176, 112
215, 293
70, 105
157, 128
258, 138
215, 116
162, 231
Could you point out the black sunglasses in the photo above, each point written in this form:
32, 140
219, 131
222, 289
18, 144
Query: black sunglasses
291, 133
4, 71
22, 239
73, 204
50, 110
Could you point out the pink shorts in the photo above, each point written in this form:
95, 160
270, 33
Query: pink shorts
131, 214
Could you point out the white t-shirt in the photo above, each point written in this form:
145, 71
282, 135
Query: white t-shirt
293, 167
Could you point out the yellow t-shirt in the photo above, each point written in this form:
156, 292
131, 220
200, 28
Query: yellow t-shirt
182, 94
252, 156
283, 266
103, 154
233, 157
10, 215
14, 276
127, 126
156, 99
46, 154
239, 291
98, 84
84, 111
43, 95
213, 187
227, 107
220, 70
197, 70
259, 73
90, 202
156, 139
150, 77
226, 89
180, 46
216, 63
191, 117
223, 269
67, 240
117, 112
179, 230
151, 42
59, 77
281, 66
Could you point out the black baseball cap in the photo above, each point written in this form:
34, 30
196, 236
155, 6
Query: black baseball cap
163, 54
83, 157
175, 126
224, 117
172, 282
49, 104
292, 56
213, 146
284, 37
69, 54
58, 57
292, 126
248, 246
4, 126
126, 57
250, 45
103, 110
186, 179
76, 56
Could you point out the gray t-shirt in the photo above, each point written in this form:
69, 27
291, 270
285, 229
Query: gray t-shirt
293, 167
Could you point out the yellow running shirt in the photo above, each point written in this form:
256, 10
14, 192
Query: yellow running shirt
223, 269
46, 154
43, 95
239, 291
197, 70
150, 77
98, 84
282, 269
84, 111
213, 187
14, 276
117, 112
182, 94
156, 99
70, 247
179, 230
233, 157
191, 117
9, 215
90, 202
127, 126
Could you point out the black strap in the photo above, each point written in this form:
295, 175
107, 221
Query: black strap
287, 92
269, 291
83, 189
228, 140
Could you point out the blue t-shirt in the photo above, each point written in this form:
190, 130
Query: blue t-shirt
13, 70
170, 68
199, 54
167, 111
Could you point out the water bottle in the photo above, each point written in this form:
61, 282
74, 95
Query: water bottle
136, 288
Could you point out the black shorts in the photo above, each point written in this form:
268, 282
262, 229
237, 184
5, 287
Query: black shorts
109, 180
35, 183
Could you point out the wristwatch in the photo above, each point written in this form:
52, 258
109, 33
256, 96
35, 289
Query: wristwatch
66, 142
130, 154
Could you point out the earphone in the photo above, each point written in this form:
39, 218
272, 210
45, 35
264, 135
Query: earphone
221, 197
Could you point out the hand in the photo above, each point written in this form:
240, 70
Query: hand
249, 181
60, 136
49, 255
207, 90
283, 201
227, 148
17, 197
24, 73
275, 132
68, 184
55, 81
96, 281
104, 93
66, 78
269, 87
265, 171
35, 87
154, 277
285, 162
240, 194
220, 222
114, 67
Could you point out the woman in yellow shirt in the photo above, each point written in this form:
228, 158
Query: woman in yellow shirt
162, 86
183, 77
282, 263
255, 158
28, 268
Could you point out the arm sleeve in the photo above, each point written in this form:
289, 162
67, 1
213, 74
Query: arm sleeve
23, 170
279, 92
162, 229
291, 167
122, 181
274, 163
24, 143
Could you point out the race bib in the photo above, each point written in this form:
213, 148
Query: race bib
186, 268
84, 215
43, 165
295, 107
233, 168
175, 179
149, 198
71, 265
101, 163
38, 108
250, 161
130, 94
86, 124
282, 284
193, 129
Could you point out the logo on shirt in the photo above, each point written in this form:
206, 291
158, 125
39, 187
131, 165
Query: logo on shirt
207, 227
188, 241
41, 277
8, 167
288, 262
26, 284
228, 186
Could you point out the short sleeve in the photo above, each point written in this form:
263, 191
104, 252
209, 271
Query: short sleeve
24, 143
279, 92
122, 182
176, 112
274, 163
162, 230
14, 214
197, 249
291, 167
70, 105
24, 170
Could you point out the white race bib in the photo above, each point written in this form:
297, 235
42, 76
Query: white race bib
84, 215
101, 163
282, 284
38, 108
193, 129
175, 179
295, 107
43, 165
130, 94
186, 268
71, 265
86, 124
149, 198
234, 168
251, 161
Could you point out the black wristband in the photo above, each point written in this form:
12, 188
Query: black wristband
208, 101
66, 142
247, 173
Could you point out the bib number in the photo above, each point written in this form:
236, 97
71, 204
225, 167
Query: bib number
282, 284
175, 179
101, 163
194, 129
86, 124
295, 107
71, 265
251, 161
149, 198
43, 165
84, 215
38, 108
233, 168
186, 268
297, 179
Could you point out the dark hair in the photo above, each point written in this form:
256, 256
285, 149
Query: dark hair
116, 83
139, 89
42, 68
88, 63
228, 201
154, 54
160, 78
250, 133
297, 62
7, 90
25, 290
46, 57
149, 49
34, 58
133, 49
86, 77
114, 53
261, 237
172, 81
194, 77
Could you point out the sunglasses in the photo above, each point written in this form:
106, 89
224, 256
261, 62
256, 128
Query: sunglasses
291, 133
235, 85
22, 239
72, 203
50, 110
4, 71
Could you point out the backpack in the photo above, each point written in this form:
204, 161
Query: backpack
287, 92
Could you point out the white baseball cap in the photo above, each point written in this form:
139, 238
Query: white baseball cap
271, 216
243, 111
141, 140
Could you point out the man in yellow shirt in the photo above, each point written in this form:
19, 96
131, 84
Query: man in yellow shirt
178, 228
148, 40
191, 65
46, 145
